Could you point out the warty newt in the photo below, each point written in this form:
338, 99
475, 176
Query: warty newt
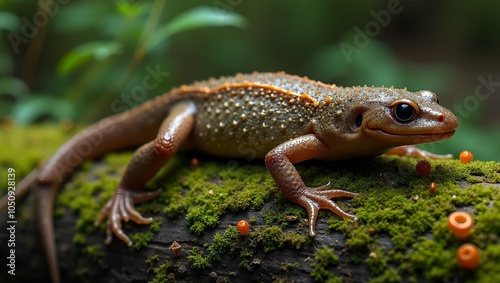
285, 119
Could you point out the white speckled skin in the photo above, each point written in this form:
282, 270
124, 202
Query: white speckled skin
253, 113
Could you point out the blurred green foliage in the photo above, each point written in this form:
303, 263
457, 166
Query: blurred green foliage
75, 59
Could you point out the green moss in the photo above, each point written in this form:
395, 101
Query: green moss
95, 252
151, 261
141, 239
231, 243
323, 259
432, 260
377, 261
286, 266
488, 268
488, 220
271, 238
358, 238
214, 191
282, 213
295, 240
165, 273
223, 244
26, 147
155, 225
79, 239
389, 276
403, 208
197, 259
394, 204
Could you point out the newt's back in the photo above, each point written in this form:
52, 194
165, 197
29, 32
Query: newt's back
248, 115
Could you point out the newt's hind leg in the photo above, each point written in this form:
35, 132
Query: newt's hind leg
145, 163
415, 152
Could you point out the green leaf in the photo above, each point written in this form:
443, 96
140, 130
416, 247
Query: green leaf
13, 86
132, 10
199, 17
30, 110
97, 50
9, 21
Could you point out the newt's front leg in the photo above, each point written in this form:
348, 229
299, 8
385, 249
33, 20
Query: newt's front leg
145, 163
280, 162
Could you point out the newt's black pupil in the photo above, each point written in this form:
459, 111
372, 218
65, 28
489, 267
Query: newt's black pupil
359, 120
404, 113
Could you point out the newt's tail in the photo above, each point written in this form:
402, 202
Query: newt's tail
128, 129
44, 205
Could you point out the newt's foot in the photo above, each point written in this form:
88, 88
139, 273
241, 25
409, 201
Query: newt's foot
314, 199
121, 207
415, 152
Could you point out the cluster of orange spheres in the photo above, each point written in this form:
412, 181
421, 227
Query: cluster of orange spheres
460, 223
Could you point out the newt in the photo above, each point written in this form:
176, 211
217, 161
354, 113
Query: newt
284, 118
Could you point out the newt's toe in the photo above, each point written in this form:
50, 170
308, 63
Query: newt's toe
121, 207
313, 200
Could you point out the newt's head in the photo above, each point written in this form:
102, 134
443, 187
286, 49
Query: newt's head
413, 119
384, 118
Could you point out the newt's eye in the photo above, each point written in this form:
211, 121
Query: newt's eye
404, 112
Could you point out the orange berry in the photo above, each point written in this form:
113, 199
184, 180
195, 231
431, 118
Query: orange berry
243, 227
423, 168
466, 157
468, 256
433, 188
460, 224
195, 163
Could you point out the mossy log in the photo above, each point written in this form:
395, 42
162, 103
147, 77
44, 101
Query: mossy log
401, 233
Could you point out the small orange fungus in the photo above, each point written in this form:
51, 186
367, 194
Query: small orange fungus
466, 157
432, 188
468, 256
460, 224
243, 227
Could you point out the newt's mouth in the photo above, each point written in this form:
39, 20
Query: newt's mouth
411, 138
